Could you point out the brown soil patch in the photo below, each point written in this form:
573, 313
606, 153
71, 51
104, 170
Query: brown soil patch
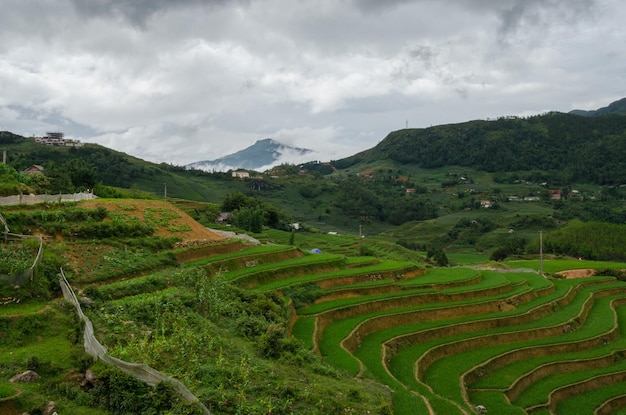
9, 408
184, 226
577, 273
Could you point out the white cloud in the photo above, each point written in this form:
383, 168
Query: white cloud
191, 80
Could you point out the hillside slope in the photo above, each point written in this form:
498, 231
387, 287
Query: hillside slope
570, 147
617, 107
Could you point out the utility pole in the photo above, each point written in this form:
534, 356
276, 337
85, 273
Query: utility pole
360, 240
165, 192
540, 252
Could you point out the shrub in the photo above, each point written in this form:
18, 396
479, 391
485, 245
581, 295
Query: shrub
303, 295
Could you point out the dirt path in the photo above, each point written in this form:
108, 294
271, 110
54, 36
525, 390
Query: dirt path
577, 273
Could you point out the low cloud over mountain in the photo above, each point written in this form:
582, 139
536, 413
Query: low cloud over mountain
260, 156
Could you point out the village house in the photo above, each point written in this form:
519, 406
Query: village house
34, 169
366, 173
241, 174
555, 195
57, 139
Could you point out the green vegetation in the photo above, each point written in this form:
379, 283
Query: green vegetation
16, 258
241, 327
401, 279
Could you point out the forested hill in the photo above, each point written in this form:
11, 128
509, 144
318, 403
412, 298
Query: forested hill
571, 148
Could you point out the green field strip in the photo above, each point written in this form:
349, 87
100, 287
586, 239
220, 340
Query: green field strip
156, 281
438, 276
408, 403
360, 287
524, 311
334, 333
331, 350
430, 295
46, 347
15, 309
480, 306
213, 254
116, 269
602, 356
44, 335
385, 315
374, 281
614, 405
453, 366
370, 355
363, 273
303, 330
200, 254
589, 401
261, 255
154, 296
368, 288
496, 403
502, 375
573, 322
400, 364
405, 298
595, 386
255, 275
360, 261
539, 393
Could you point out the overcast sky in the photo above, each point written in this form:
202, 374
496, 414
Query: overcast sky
179, 81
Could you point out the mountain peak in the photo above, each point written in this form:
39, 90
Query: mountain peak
262, 155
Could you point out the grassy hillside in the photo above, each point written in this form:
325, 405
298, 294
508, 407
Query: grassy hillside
276, 329
230, 346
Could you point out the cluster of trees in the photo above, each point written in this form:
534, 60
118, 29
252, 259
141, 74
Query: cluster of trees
381, 201
589, 240
568, 147
251, 214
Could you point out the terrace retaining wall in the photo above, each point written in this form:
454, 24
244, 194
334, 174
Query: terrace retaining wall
35, 199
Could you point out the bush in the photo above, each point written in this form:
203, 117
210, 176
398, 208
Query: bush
499, 254
120, 393
303, 295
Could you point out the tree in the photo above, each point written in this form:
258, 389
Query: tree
235, 201
250, 219
82, 174
438, 257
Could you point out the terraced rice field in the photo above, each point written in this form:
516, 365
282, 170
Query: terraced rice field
447, 340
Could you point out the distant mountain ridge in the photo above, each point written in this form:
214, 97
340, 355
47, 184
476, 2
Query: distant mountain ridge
616, 107
262, 155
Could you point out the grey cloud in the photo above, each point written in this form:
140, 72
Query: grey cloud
426, 54
377, 5
541, 14
137, 12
